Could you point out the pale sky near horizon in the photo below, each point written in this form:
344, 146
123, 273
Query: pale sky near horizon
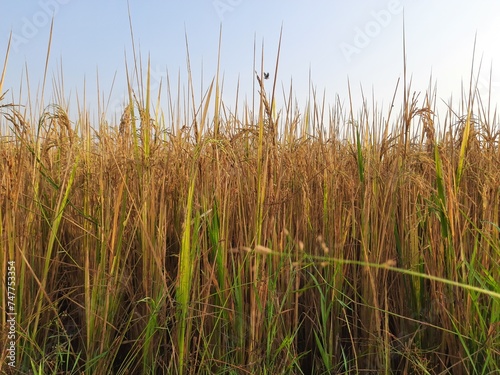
330, 41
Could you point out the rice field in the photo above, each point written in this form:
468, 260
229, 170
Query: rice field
194, 239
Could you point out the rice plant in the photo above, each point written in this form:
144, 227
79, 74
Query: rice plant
190, 239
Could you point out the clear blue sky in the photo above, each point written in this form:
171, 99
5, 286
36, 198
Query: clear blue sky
334, 40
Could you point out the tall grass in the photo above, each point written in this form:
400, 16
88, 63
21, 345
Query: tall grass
197, 241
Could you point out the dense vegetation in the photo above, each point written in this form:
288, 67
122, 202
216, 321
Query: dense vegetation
203, 240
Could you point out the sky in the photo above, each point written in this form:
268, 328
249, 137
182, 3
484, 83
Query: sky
324, 45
